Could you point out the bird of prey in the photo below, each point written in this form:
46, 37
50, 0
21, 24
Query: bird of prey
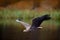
36, 22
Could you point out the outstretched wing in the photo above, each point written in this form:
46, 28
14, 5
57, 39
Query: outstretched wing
36, 22
24, 24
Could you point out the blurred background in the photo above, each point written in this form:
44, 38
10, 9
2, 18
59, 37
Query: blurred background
26, 10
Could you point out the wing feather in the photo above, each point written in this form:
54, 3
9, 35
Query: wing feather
24, 24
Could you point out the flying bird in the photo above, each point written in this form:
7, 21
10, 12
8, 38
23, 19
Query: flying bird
36, 22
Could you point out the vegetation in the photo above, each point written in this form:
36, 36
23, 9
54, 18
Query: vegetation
7, 16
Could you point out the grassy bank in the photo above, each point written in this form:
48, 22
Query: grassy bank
7, 16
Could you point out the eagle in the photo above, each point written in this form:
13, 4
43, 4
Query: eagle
36, 22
